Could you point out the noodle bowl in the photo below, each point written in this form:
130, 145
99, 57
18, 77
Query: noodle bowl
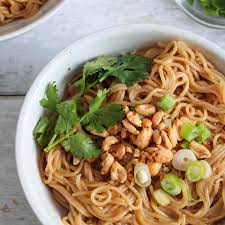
88, 196
199, 90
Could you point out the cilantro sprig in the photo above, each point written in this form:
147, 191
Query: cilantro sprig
51, 98
62, 123
67, 121
97, 119
128, 69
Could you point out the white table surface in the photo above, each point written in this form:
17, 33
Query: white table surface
22, 58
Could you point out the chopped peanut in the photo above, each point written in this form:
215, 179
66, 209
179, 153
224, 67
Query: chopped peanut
137, 153
151, 149
144, 138
135, 161
157, 138
124, 133
131, 128
128, 149
110, 140
118, 172
126, 109
161, 126
199, 150
118, 151
163, 156
157, 118
166, 140
154, 167
107, 163
144, 157
146, 123
172, 136
114, 130
145, 109
133, 137
134, 119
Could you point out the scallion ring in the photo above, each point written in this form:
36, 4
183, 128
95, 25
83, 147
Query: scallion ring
195, 171
171, 184
161, 197
142, 175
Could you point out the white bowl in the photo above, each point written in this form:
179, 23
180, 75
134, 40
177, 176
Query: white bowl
21, 26
110, 41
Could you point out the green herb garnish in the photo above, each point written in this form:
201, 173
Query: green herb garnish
211, 7
51, 97
67, 117
40, 130
97, 119
128, 69
81, 146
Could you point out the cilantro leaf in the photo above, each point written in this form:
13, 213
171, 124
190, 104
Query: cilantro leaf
130, 69
99, 64
81, 146
104, 117
67, 116
97, 102
40, 129
51, 97
97, 118
43, 131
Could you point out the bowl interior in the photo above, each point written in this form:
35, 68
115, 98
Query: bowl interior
111, 41
21, 25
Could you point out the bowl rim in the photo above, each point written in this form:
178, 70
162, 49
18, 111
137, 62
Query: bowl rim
42, 75
34, 23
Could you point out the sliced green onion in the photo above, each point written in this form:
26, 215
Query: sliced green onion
185, 145
171, 184
189, 132
142, 175
208, 169
182, 158
166, 102
204, 133
195, 171
161, 197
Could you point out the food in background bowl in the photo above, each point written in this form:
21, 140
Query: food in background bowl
19, 16
11, 10
137, 139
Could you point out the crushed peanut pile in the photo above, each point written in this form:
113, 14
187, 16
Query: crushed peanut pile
146, 135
